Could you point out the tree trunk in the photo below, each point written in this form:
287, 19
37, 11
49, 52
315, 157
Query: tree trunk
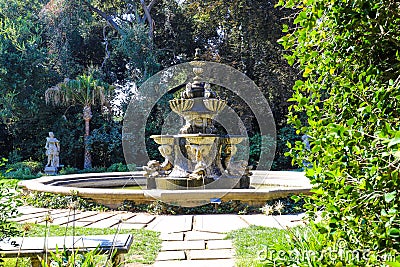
87, 115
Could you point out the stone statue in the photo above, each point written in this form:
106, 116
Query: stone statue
153, 169
52, 151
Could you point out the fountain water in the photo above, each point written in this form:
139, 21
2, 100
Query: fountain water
198, 156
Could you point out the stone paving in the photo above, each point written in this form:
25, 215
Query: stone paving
187, 240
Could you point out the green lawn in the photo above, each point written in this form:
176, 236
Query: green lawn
258, 246
8, 183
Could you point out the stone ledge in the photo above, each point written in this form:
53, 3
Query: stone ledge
183, 245
171, 255
210, 254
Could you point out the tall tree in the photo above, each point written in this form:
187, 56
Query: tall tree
124, 31
84, 91
243, 34
24, 71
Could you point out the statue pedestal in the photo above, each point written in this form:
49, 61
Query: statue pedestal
50, 170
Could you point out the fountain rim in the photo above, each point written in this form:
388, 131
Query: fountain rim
114, 197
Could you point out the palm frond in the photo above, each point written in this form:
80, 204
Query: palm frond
84, 90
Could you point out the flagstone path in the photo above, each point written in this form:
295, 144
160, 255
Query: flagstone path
187, 240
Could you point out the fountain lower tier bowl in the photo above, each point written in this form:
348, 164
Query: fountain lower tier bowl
179, 183
101, 187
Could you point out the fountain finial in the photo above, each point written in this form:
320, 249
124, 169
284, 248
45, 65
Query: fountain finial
197, 65
197, 54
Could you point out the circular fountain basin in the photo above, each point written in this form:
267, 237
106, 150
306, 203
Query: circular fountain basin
101, 187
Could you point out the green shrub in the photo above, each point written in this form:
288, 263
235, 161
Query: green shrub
73, 170
258, 246
24, 170
349, 54
9, 204
286, 134
55, 201
93, 170
66, 258
14, 156
118, 167
68, 170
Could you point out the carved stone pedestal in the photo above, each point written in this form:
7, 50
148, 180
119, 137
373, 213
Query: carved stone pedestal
51, 170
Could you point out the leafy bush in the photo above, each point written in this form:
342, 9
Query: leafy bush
66, 258
14, 156
9, 204
68, 170
54, 201
349, 54
159, 207
286, 134
24, 170
118, 167
258, 143
8, 210
73, 170
259, 246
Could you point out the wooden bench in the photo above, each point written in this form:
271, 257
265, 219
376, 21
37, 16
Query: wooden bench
37, 247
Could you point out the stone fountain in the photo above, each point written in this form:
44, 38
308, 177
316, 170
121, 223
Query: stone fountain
197, 157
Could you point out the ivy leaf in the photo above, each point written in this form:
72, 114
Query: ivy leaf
394, 141
390, 196
392, 264
351, 121
394, 232
307, 71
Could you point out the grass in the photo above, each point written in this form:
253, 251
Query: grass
258, 246
145, 246
8, 183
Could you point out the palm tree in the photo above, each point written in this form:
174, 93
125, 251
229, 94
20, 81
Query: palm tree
84, 91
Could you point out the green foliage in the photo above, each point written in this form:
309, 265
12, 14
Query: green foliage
286, 134
9, 183
63, 22
115, 167
118, 167
64, 257
68, 170
24, 170
137, 50
258, 246
282, 206
23, 73
105, 143
349, 54
9, 204
44, 42
54, 201
14, 157
225, 207
85, 90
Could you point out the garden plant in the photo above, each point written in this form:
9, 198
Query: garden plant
348, 104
